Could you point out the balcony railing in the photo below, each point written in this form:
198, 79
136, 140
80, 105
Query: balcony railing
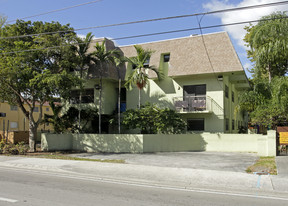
193, 104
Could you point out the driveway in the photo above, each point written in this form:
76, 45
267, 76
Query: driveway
235, 162
282, 165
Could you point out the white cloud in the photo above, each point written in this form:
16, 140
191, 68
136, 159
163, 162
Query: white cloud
237, 32
83, 36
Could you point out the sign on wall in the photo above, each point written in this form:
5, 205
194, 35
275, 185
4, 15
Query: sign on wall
283, 138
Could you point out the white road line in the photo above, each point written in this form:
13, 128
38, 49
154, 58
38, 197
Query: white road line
147, 185
8, 200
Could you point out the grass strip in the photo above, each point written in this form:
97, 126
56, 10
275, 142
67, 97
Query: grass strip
264, 164
64, 157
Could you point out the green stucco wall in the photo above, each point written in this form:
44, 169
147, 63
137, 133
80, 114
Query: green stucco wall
163, 92
109, 96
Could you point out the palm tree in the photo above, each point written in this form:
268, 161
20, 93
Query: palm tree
140, 67
83, 61
103, 58
119, 61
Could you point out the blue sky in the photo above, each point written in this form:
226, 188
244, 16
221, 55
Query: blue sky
116, 11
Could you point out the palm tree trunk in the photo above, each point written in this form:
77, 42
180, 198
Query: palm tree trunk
80, 102
100, 98
119, 105
79, 112
139, 98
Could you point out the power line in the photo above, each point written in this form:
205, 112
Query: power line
56, 10
206, 50
158, 33
157, 19
191, 29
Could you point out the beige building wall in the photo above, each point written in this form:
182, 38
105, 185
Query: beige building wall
17, 120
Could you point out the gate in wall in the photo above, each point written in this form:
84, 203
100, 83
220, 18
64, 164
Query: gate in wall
282, 141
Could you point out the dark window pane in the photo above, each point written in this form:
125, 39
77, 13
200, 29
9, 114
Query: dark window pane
123, 95
146, 63
195, 124
226, 91
227, 124
166, 57
87, 96
195, 90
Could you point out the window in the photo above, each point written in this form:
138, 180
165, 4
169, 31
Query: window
226, 91
134, 66
166, 57
227, 124
13, 125
195, 90
36, 109
232, 96
13, 108
87, 96
47, 109
146, 63
194, 96
195, 124
233, 124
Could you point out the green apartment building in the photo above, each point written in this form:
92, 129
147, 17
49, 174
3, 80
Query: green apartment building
203, 78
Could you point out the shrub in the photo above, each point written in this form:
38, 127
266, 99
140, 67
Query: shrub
13, 149
152, 120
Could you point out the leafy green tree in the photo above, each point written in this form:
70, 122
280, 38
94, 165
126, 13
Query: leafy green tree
139, 75
83, 60
55, 120
266, 102
35, 68
2, 20
103, 58
152, 120
268, 42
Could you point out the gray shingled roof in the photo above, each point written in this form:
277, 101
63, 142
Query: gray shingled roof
188, 55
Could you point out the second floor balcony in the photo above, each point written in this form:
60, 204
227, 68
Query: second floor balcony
193, 104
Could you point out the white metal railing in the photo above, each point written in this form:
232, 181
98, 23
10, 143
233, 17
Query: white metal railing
193, 103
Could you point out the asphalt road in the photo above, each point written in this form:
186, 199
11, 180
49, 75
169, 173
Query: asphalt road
24, 187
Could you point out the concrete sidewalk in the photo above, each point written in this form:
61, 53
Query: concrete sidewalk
164, 174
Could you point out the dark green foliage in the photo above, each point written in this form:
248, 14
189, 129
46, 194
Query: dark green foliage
152, 120
267, 100
267, 103
36, 68
14, 149
69, 121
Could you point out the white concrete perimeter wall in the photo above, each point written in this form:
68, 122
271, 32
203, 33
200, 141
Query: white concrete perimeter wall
263, 145
92, 142
201, 142
109, 143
